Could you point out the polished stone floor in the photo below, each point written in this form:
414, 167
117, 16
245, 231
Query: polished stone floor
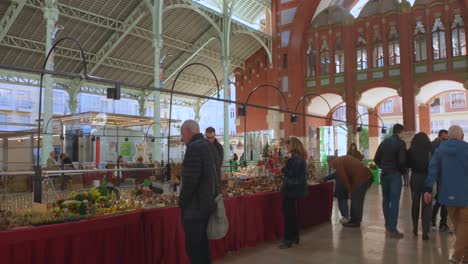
331, 243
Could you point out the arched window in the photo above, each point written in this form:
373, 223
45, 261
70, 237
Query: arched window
377, 50
311, 54
361, 53
339, 56
458, 37
324, 58
420, 53
393, 47
438, 39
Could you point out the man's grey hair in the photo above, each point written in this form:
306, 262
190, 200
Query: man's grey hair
455, 132
191, 125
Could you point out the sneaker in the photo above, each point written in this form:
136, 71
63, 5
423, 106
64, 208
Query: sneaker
344, 220
396, 235
452, 260
445, 228
433, 225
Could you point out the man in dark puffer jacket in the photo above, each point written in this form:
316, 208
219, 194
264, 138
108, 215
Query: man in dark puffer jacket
199, 189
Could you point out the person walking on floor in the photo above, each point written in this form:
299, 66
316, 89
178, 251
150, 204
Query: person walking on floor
418, 157
341, 193
199, 189
210, 134
449, 168
294, 186
443, 227
353, 151
357, 179
391, 159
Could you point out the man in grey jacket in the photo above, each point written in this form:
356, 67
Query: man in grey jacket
199, 188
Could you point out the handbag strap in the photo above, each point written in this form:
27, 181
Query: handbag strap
214, 169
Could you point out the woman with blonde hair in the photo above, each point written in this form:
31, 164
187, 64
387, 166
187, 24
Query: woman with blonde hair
294, 186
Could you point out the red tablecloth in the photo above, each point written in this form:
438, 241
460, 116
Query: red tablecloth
252, 219
115, 239
156, 236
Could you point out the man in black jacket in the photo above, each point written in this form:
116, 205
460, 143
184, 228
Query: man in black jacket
199, 188
210, 134
391, 159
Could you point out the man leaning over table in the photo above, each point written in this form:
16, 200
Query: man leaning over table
449, 167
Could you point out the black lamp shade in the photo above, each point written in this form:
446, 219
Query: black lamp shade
384, 130
359, 128
293, 118
126, 139
241, 111
152, 139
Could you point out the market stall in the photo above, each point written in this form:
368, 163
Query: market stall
156, 235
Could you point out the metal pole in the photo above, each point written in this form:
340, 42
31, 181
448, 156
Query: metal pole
226, 42
157, 14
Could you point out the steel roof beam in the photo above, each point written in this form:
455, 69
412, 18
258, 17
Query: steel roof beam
10, 16
131, 22
116, 25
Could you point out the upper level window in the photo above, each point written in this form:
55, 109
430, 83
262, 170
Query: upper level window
420, 52
387, 107
393, 47
324, 58
311, 56
23, 99
438, 39
3, 118
339, 56
361, 53
5, 97
458, 100
377, 51
458, 37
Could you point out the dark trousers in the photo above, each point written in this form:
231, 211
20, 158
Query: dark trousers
417, 191
343, 207
357, 201
391, 192
291, 223
443, 213
196, 240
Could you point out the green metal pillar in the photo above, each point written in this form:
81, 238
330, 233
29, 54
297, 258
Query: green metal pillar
228, 6
51, 16
157, 13
75, 87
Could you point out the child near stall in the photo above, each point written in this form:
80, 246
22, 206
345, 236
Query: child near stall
341, 195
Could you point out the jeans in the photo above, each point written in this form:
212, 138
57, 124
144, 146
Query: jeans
357, 201
291, 222
417, 191
196, 240
443, 213
343, 207
391, 191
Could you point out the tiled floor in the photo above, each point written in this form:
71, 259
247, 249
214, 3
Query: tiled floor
331, 243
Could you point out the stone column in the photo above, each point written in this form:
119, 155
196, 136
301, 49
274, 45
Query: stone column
373, 132
407, 73
425, 119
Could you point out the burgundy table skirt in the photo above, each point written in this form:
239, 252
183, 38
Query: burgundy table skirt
157, 236
252, 219
114, 239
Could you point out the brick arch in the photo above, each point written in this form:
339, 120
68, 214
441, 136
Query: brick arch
321, 107
373, 96
432, 89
